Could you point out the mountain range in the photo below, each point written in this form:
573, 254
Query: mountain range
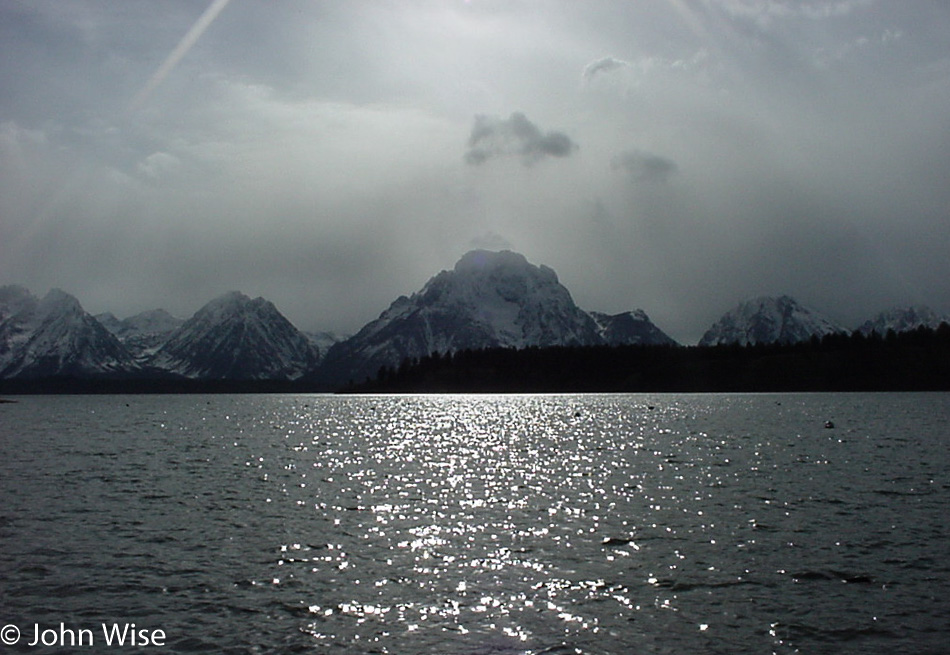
488, 300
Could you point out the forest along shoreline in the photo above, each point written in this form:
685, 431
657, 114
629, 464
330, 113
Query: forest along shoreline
911, 361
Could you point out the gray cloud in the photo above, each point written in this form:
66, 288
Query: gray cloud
645, 165
604, 65
514, 136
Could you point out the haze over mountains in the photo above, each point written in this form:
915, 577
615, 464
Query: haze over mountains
488, 300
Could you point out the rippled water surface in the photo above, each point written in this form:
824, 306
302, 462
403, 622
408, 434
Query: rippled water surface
482, 524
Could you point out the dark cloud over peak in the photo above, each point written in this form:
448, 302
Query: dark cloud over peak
514, 136
644, 165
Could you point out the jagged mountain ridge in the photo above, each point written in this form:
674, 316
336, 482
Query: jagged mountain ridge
769, 319
489, 299
903, 319
235, 337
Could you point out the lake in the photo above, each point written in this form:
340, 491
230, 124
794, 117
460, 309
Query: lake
534, 524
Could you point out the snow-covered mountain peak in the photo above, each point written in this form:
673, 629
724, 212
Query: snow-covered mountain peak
109, 321
227, 303
142, 333
11, 293
501, 263
15, 299
506, 299
488, 300
58, 301
769, 319
627, 328
505, 263
152, 321
324, 340
55, 336
233, 305
235, 337
502, 283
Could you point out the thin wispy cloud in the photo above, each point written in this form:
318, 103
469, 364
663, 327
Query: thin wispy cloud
187, 43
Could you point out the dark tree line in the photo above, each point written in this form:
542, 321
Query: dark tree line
910, 361
916, 360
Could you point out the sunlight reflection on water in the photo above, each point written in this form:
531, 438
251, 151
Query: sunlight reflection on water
460, 513
548, 521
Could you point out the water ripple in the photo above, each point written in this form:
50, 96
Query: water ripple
484, 524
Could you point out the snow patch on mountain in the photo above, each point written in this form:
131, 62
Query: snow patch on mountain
769, 319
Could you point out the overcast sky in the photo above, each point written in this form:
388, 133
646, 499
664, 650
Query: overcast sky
673, 155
